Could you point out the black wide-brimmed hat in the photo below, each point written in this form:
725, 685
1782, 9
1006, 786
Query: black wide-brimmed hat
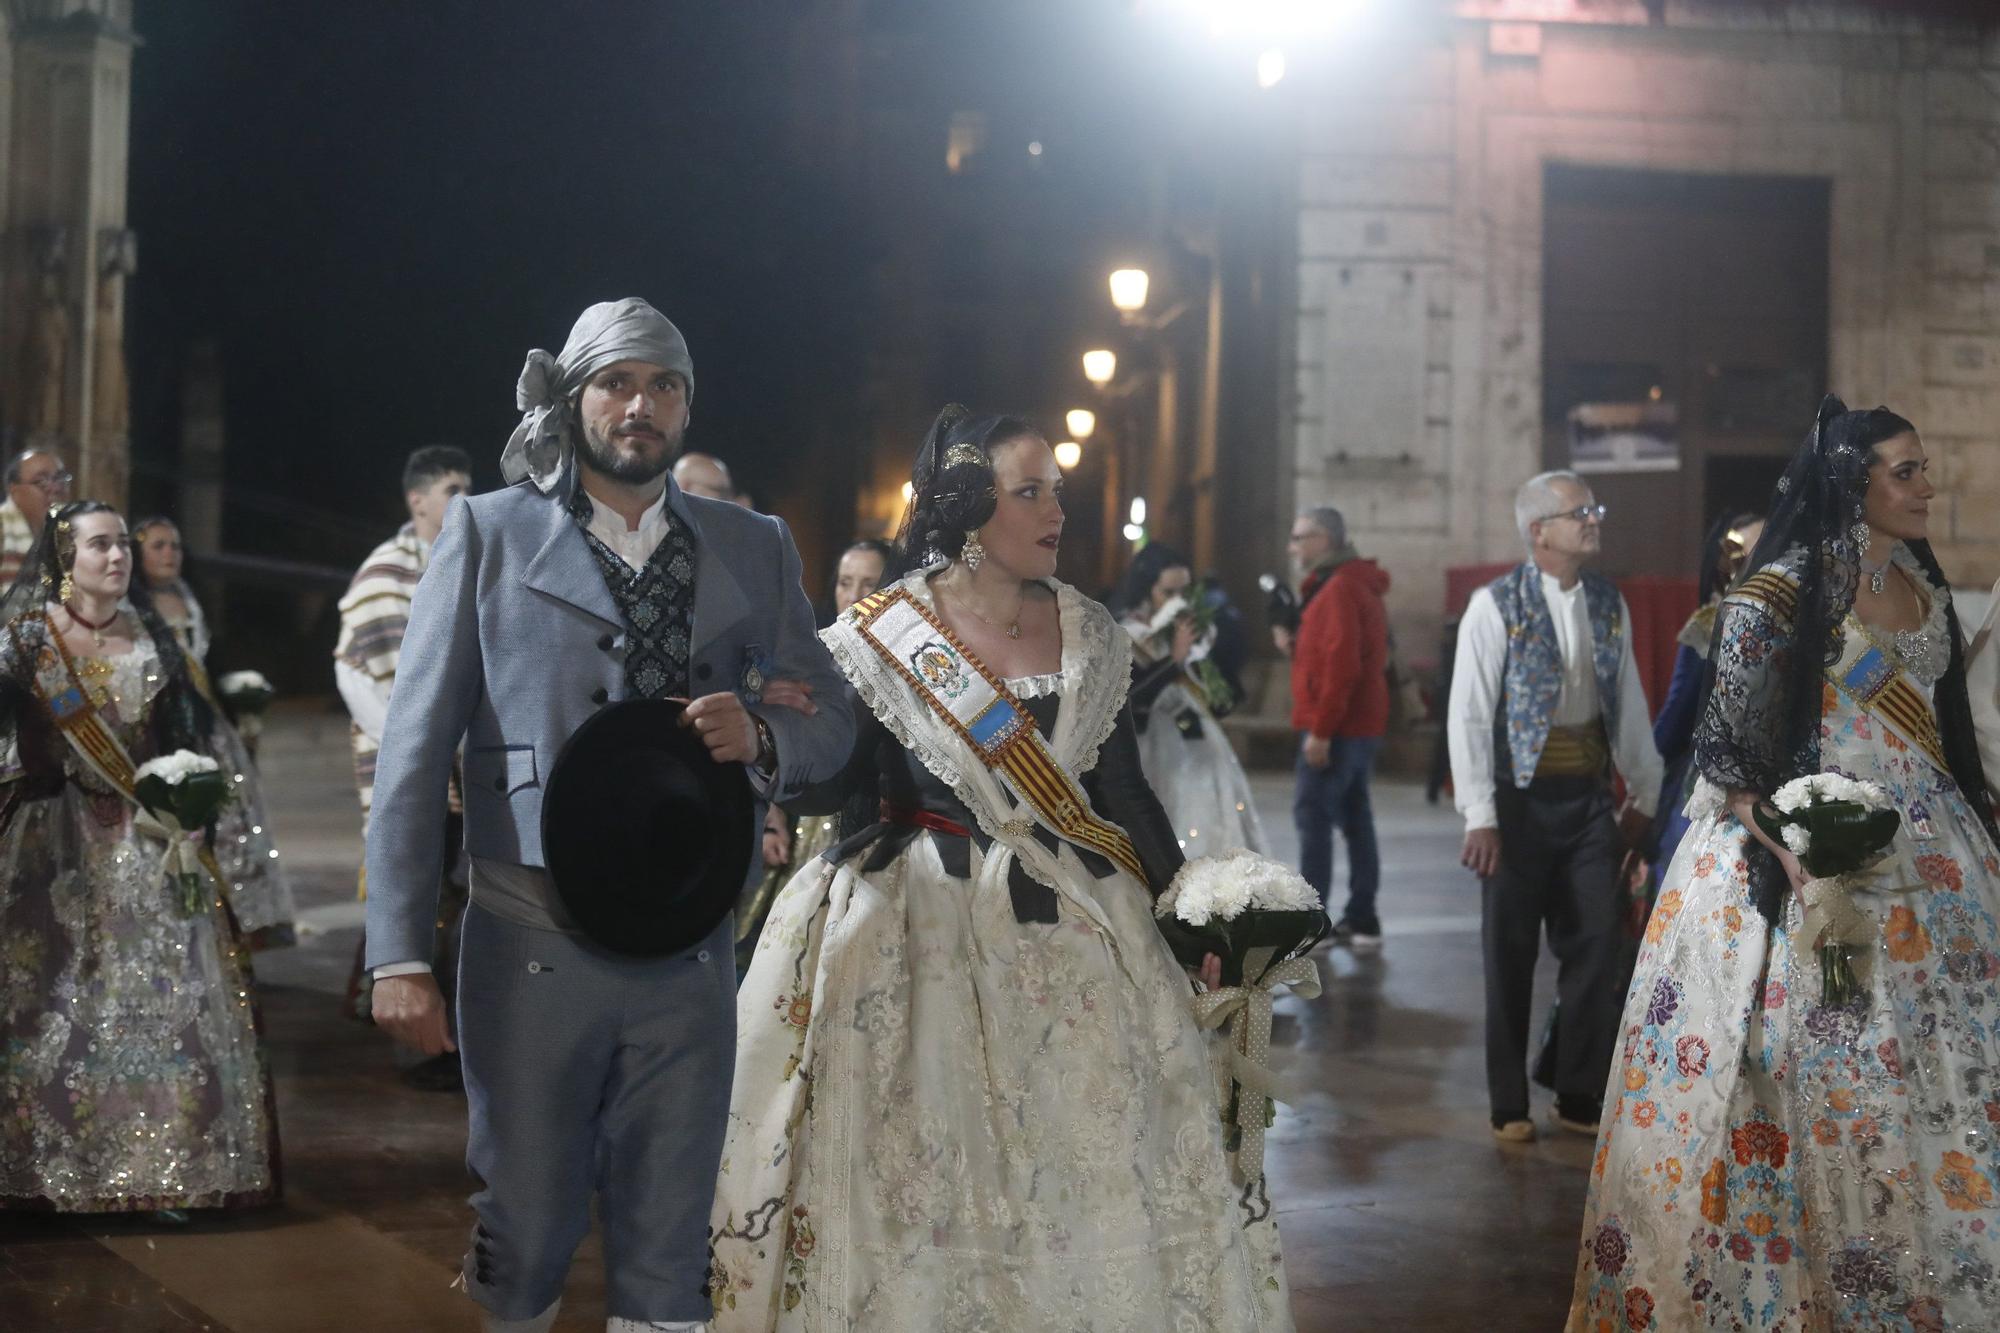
646, 837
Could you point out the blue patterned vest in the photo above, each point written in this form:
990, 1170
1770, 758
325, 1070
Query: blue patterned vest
1533, 679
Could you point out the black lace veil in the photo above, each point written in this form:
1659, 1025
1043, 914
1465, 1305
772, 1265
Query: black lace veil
1761, 743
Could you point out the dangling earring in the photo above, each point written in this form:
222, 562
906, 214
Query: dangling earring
1859, 534
973, 551
67, 590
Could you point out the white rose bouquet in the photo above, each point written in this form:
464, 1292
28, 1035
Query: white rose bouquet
1261, 919
1836, 826
181, 793
246, 694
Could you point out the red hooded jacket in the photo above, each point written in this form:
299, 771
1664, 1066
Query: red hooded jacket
1340, 655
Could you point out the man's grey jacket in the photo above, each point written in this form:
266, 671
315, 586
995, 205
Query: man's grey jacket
514, 640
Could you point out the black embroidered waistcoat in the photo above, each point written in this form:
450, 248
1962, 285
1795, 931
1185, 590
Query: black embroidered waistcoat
657, 601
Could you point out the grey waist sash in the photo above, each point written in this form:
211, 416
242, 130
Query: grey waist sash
524, 895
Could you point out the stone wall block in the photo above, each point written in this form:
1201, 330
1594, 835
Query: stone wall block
1962, 94
1962, 359
1374, 234
1375, 182
1958, 411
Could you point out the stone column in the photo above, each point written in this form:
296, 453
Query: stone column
67, 250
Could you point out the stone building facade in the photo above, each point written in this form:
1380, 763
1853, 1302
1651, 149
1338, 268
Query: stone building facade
65, 249
1422, 285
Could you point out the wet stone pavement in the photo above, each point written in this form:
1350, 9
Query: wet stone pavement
1398, 1209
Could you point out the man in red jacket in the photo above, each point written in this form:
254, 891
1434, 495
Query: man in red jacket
1340, 708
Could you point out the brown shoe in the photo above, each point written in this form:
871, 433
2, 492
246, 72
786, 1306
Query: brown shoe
1515, 1131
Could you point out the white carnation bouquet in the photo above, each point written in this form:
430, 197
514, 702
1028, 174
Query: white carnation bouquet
179, 794
1261, 919
1837, 826
246, 694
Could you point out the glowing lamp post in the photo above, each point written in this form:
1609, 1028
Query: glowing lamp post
1081, 422
1099, 365
1128, 290
1068, 454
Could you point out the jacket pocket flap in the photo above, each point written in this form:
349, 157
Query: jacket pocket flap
504, 769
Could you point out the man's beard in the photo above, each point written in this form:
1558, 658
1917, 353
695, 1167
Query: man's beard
604, 456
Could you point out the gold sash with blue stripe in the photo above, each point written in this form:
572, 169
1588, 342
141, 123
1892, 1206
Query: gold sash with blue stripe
965, 694
1867, 674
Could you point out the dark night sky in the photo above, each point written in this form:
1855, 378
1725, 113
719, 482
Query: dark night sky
378, 207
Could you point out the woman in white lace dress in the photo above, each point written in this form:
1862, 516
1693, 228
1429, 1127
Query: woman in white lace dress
1186, 755
970, 1092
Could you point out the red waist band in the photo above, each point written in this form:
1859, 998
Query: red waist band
916, 817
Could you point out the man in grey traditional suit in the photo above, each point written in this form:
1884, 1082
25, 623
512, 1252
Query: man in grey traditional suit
591, 579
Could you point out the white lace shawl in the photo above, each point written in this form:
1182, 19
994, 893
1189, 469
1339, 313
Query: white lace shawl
1096, 672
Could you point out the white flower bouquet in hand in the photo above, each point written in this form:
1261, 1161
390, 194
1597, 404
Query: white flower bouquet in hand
1260, 918
246, 694
1836, 826
182, 793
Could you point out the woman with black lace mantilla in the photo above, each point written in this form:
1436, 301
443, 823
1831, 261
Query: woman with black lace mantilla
970, 1091
133, 1077
1774, 1155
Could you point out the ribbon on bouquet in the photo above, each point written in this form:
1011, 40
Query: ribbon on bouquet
1248, 1011
184, 859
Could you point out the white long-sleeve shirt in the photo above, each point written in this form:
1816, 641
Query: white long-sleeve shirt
1477, 677
1982, 682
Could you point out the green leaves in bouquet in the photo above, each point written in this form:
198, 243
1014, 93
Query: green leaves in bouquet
1258, 940
1845, 835
194, 801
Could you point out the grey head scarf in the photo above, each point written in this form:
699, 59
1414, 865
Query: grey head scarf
608, 332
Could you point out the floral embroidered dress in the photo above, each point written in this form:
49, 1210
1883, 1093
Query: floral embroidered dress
970, 1093
131, 1076
260, 892
1188, 759
1769, 1162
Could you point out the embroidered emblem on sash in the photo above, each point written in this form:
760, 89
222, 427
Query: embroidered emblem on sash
972, 701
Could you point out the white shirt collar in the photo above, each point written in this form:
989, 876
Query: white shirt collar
1552, 586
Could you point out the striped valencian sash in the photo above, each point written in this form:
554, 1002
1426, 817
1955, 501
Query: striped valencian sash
973, 702
61, 689
1866, 673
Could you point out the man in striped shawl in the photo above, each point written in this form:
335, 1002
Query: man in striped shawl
373, 615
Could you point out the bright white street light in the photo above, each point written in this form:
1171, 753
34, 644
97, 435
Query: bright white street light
1081, 422
1128, 289
1099, 365
1068, 454
1133, 532
1138, 510
1270, 68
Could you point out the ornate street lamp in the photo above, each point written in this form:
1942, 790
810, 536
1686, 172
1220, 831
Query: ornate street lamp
1081, 422
1068, 454
1099, 365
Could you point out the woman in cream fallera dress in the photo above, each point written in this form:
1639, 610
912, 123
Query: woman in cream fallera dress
948, 1118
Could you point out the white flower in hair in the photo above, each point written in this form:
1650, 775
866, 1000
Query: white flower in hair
173, 768
1796, 838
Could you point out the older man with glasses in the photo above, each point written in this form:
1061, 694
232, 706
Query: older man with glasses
36, 479
1545, 704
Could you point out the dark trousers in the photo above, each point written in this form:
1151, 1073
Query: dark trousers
1559, 855
1337, 797
591, 1074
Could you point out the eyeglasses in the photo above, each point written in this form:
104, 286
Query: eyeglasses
1582, 514
55, 481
